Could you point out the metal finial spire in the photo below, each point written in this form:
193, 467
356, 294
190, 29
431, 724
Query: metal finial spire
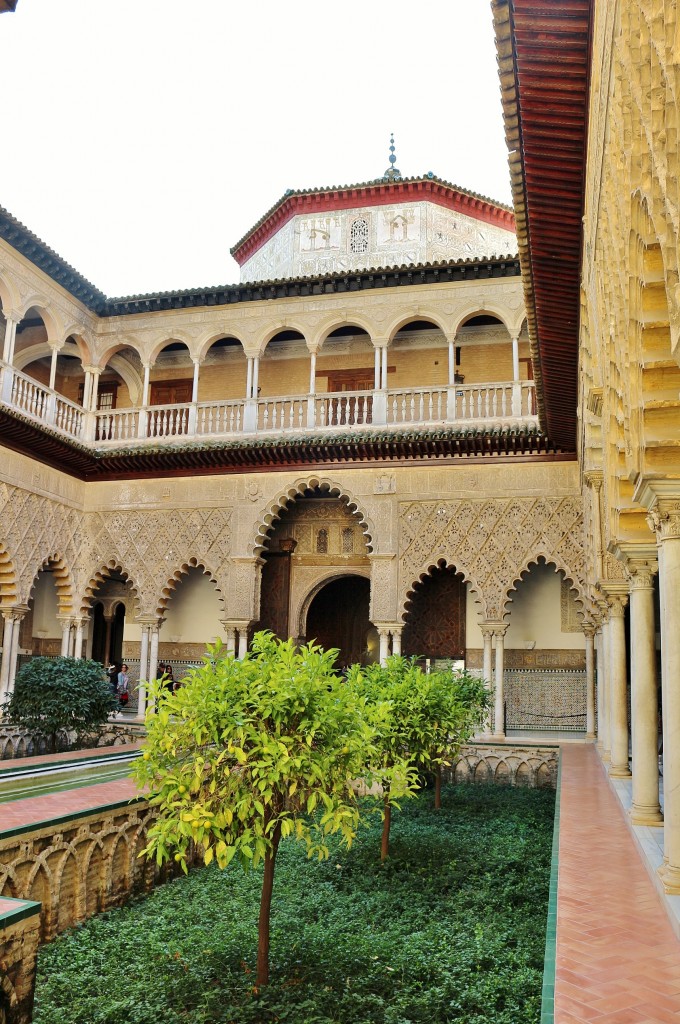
392, 173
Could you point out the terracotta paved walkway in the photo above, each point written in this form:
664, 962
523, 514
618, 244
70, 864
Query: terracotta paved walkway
618, 961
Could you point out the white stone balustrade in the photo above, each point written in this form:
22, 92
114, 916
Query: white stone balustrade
471, 404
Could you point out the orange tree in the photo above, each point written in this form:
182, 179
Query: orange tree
247, 753
425, 718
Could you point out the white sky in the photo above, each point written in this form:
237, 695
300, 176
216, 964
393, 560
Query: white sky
141, 140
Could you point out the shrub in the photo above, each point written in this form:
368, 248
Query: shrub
54, 696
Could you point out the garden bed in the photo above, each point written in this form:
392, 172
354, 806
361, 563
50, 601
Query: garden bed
450, 929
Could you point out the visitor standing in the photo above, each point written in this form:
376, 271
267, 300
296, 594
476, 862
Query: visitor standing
123, 687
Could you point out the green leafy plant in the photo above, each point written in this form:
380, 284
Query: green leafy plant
57, 696
428, 716
450, 928
249, 752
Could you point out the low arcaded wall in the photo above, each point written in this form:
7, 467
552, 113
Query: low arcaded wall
506, 764
16, 742
19, 941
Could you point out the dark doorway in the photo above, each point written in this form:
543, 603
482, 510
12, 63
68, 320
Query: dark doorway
435, 617
99, 651
338, 617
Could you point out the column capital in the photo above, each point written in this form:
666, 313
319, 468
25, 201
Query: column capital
641, 574
589, 628
12, 315
665, 521
594, 478
15, 612
617, 604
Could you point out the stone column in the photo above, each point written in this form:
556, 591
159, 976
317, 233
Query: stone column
452, 361
143, 672
383, 374
515, 359
242, 641
618, 688
10, 335
384, 635
665, 520
145, 385
604, 722
396, 631
599, 667
487, 670
10, 648
589, 633
194, 386
78, 648
66, 624
499, 703
94, 396
376, 379
249, 377
53, 366
644, 714
230, 635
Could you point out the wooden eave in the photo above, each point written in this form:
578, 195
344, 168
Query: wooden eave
266, 454
544, 62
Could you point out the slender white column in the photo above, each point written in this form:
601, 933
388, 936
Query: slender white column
94, 397
87, 388
53, 367
644, 712
78, 649
396, 639
256, 376
312, 374
377, 370
515, 359
145, 386
249, 377
487, 669
499, 703
10, 335
153, 652
589, 633
230, 634
13, 653
667, 526
603, 723
452, 361
384, 367
384, 635
6, 653
194, 386
618, 689
143, 673
66, 637
242, 643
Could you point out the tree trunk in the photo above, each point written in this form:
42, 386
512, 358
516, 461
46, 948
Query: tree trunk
262, 977
385, 846
438, 787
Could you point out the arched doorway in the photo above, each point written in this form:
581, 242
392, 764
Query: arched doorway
435, 616
338, 617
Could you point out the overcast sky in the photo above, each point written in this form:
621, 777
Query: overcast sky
141, 140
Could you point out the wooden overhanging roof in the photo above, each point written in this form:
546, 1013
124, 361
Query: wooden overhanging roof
445, 445
544, 60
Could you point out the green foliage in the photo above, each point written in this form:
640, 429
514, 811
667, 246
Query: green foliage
247, 747
58, 695
451, 928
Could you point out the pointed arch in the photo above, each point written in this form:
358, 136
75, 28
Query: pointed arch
548, 558
100, 576
63, 582
297, 491
179, 574
8, 579
434, 562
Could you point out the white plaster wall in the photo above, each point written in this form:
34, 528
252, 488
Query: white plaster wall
193, 611
535, 613
45, 607
419, 232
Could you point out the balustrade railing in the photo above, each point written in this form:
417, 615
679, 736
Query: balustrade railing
472, 404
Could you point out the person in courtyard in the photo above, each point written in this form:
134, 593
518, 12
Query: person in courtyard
123, 687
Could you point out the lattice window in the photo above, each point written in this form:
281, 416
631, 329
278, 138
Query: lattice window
358, 236
348, 541
322, 542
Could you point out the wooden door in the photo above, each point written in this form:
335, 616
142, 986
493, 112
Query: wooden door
171, 392
349, 410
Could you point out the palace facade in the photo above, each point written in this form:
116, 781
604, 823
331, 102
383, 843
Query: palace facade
420, 422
